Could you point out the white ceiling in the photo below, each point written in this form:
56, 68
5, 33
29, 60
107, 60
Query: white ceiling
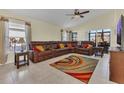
58, 16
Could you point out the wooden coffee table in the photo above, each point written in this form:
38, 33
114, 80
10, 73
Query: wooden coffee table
25, 60
99, 51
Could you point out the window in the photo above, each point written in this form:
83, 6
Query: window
68, 35
107, 35
100, 35
92, 35
74, 36
99, 31
17, 36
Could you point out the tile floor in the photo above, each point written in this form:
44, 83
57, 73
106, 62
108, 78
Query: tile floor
42, 73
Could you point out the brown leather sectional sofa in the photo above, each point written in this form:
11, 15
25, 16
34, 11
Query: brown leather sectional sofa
52, 49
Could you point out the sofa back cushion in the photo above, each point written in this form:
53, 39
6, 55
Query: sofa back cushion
54, 46
69, 45
47, 46
74, 44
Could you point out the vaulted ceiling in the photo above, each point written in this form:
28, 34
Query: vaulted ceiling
58, 16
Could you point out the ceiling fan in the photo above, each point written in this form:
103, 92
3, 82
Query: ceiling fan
77, 14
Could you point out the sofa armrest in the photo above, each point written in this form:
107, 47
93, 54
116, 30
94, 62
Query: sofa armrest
33, 53
91, 51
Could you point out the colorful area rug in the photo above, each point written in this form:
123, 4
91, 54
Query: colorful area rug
79, 67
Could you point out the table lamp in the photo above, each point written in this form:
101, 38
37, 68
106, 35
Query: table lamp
21, 41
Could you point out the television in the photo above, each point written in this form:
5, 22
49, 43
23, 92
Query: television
120, 32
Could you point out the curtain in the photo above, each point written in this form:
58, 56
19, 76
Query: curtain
5, 24
3, 40
28, 34
66, 35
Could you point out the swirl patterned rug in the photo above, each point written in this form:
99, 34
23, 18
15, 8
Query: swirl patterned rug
79, 67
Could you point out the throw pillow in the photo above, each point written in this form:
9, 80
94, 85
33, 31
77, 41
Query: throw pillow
89, 46
40, 47
35, 49
61, 45
85, 45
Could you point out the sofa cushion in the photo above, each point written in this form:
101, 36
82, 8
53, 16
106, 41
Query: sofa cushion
54, 46
69, 45
62, 49
45, 53
40, 48
84, 49
61, 45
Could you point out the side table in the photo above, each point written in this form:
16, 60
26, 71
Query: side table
25, 60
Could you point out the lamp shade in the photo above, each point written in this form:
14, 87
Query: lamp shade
13, 40
21, 40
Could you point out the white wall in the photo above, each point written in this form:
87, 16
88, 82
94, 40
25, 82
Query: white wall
40, 30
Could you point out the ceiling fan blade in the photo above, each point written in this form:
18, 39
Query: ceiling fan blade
84, 12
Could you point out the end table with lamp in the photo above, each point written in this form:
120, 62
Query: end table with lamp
18, 54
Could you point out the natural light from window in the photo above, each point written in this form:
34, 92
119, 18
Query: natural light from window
16, 32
